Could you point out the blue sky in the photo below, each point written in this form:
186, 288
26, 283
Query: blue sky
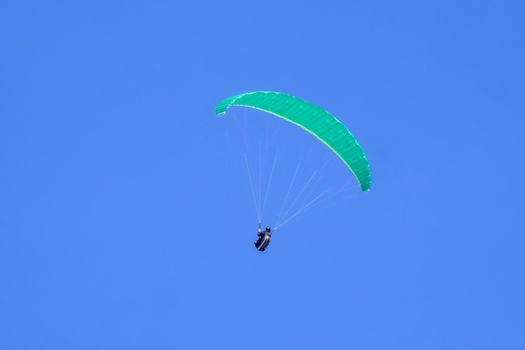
126, 219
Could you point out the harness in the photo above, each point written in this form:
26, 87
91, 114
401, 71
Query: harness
264, 239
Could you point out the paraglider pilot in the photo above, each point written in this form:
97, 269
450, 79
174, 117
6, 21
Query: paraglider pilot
264, 238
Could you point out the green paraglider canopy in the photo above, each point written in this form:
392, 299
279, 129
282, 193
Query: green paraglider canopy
320, 123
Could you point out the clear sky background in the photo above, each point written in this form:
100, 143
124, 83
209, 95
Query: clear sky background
126, 219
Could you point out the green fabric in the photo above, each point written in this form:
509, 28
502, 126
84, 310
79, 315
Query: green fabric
313, 119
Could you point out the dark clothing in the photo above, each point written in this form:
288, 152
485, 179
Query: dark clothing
264, 239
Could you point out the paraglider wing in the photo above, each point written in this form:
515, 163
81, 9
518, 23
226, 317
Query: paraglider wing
313, 119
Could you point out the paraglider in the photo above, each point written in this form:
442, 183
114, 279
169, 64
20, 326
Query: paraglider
264, 238
315, 120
